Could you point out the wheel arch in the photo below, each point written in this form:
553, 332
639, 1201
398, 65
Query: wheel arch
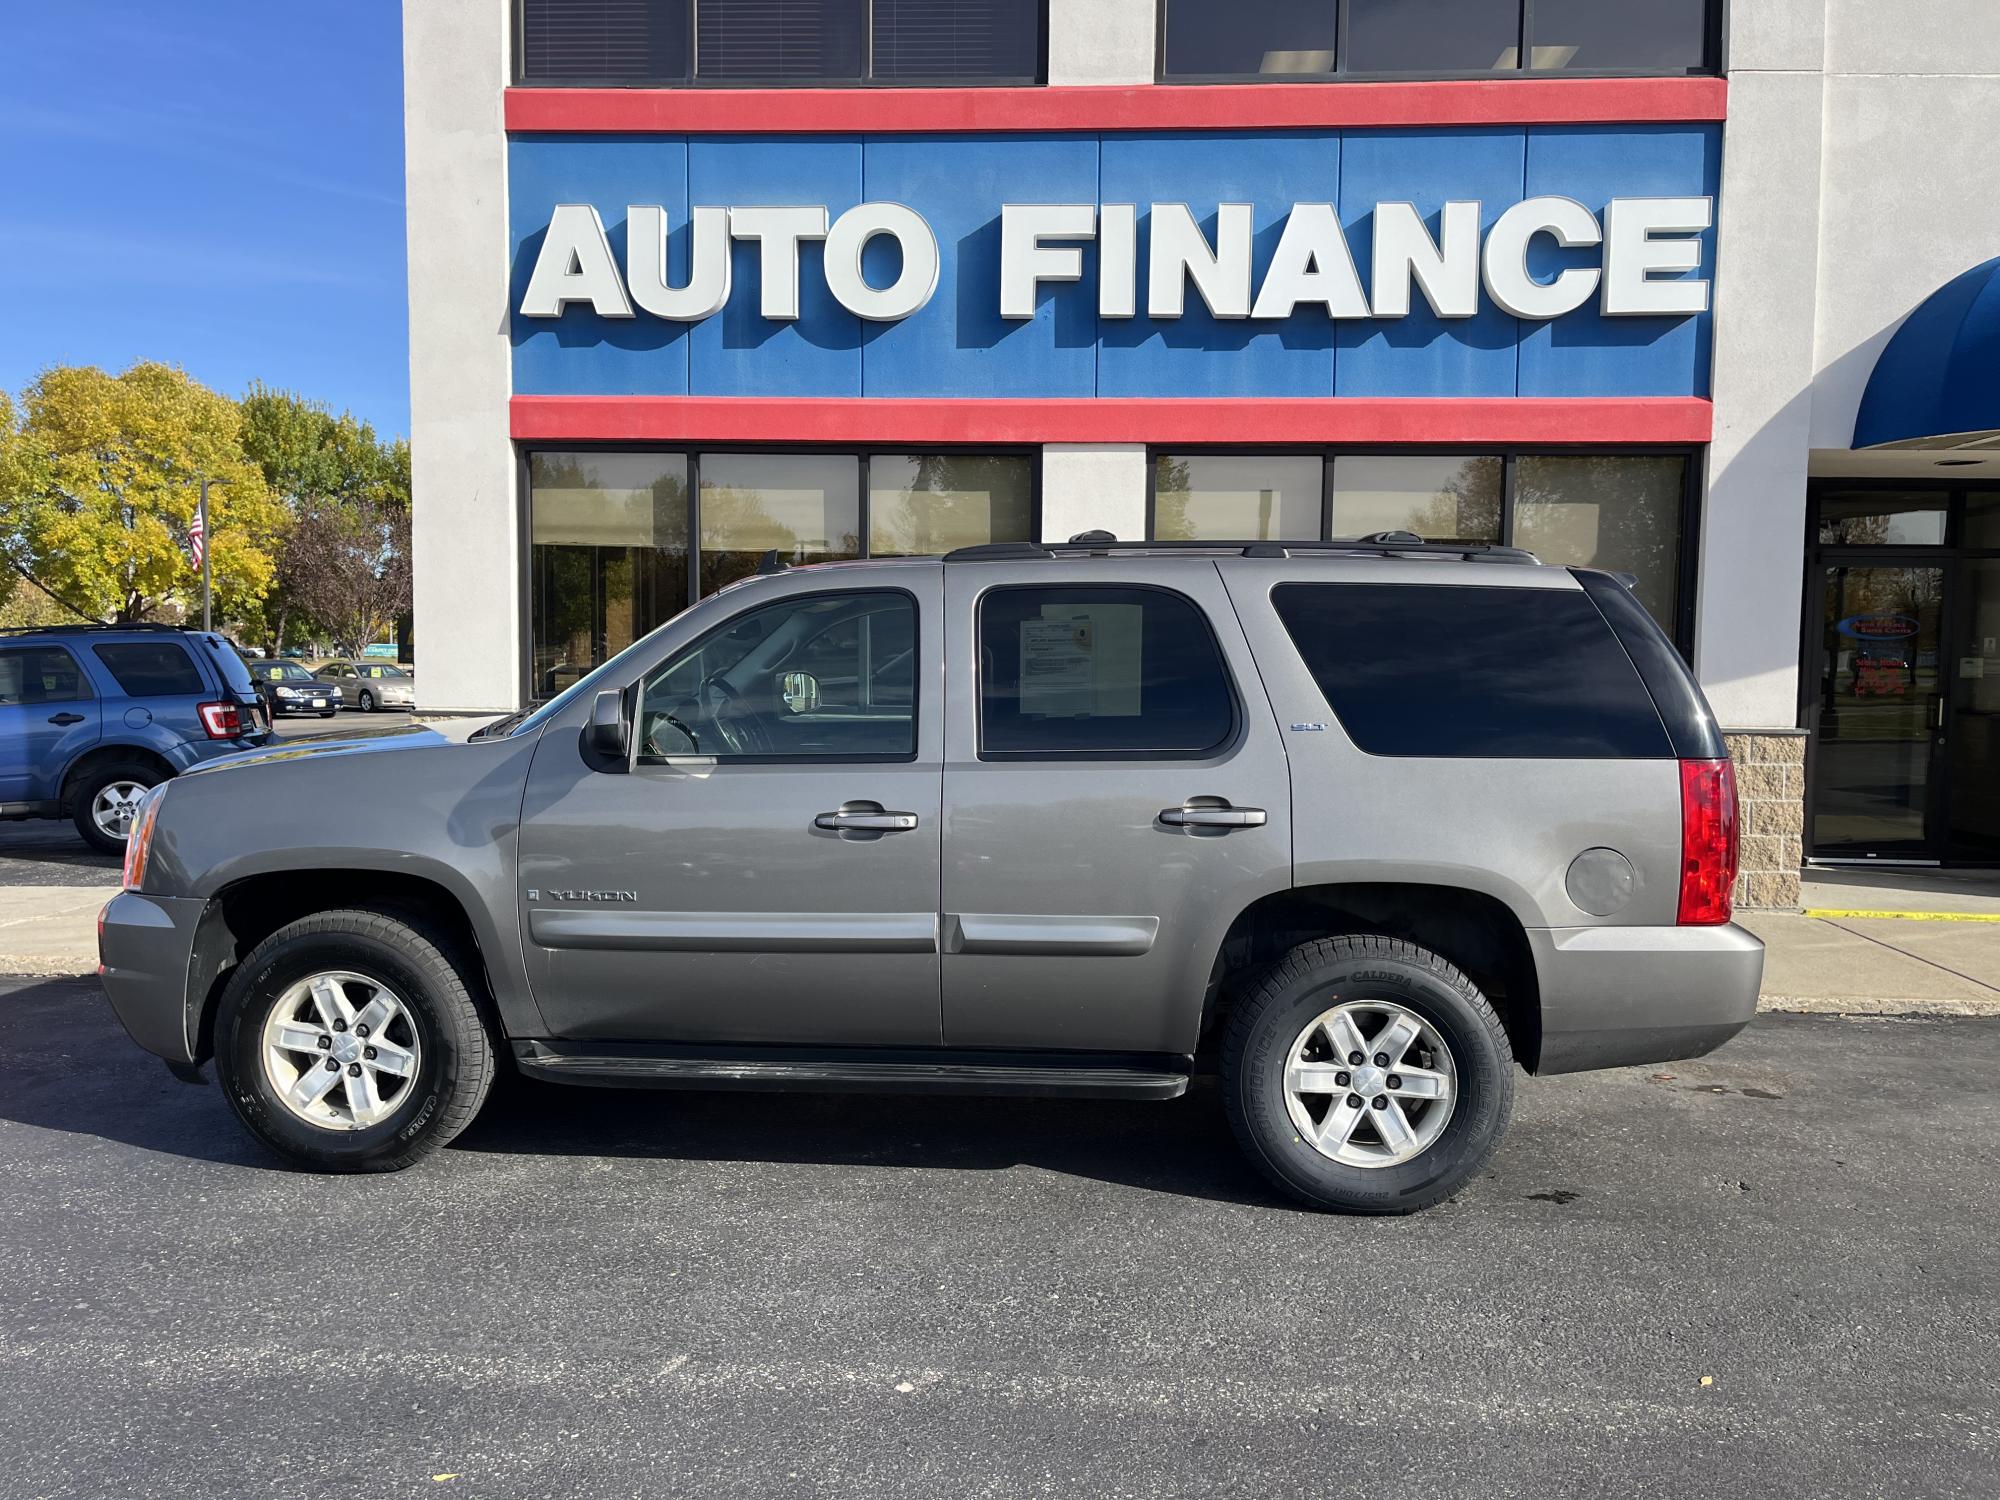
99, 756
241, 914
1475, 931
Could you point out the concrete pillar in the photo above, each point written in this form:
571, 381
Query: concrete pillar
1094, 487
467, 547
1766, 293
1102, 41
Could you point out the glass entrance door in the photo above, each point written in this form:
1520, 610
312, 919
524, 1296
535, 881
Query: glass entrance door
1878, 772
1972, 735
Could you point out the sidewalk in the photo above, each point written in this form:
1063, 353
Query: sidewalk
1941, 958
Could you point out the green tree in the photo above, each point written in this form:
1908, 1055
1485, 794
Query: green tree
336, 482
99, 484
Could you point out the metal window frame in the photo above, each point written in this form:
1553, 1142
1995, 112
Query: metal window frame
1693, 487
1714, 39
861, 454
692, 79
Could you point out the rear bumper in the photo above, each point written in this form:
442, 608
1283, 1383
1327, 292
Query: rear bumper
143, 948
1612, 996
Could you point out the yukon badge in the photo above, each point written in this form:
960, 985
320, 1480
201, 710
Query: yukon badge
607, 896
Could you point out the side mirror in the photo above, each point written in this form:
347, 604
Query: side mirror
610, 731
800, 690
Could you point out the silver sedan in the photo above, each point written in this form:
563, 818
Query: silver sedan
368, 684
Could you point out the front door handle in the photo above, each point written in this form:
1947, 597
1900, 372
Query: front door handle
866, 819
65, 718
1193, 815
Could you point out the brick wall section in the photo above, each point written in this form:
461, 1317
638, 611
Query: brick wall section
1771, 798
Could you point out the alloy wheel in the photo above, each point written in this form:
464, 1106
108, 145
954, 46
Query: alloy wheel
1370, 1084
341, 1050
115, 806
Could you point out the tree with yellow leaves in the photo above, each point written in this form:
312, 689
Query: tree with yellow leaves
100, 476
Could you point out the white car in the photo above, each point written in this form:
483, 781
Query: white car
369, 685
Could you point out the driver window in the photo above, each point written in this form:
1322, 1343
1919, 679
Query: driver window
815, 676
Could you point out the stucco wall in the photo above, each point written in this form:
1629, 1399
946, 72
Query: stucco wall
467, 547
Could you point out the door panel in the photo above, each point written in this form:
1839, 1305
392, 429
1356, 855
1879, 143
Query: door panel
700, 896
1881, 710
1972, 734
1074, 916
47, 718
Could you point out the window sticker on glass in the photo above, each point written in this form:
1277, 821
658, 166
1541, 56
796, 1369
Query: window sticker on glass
1082, 659
1058, 667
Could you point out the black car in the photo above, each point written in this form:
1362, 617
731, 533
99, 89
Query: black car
288, 688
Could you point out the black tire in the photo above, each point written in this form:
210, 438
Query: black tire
366, 701
1310, 979
84, 793
456, 1061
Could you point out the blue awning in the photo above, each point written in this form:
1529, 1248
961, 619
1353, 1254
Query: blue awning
1940, 374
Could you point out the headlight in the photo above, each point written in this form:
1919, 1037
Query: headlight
139, 842
285, 692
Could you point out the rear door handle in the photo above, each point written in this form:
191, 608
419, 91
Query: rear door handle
65, 718
1191, 816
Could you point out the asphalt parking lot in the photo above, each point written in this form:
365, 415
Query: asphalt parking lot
1770, 1271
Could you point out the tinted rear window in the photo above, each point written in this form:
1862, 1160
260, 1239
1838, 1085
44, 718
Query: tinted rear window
1412, 669
149, 669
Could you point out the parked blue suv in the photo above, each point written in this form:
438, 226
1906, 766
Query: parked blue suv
91, 716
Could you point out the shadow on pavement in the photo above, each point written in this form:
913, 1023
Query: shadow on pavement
66, 1064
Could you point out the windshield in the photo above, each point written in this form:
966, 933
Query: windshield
281, 671
375, 669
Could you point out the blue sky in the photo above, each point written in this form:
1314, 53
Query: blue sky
213, 183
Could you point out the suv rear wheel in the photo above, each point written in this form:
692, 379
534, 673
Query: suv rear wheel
348, 1042
105, 800
1368, 1075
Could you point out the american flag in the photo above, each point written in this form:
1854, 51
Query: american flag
196, 541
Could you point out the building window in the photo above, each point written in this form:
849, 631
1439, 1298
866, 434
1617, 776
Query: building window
1622, 512
923, 504
1618, 512
1264, 498
1247, 38
1440, 497
805, 507
780, 42
1279, 40
610, 554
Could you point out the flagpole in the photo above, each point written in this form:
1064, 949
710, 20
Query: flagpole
207, 590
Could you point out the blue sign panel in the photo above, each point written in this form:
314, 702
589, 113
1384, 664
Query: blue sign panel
1074, 338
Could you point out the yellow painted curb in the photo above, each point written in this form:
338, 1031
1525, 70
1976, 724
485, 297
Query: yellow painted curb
1907, 916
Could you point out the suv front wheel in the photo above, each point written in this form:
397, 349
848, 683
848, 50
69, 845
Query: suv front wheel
348, 1041
1367, 1075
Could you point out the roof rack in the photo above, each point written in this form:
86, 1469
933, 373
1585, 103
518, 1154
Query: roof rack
1379, 544
89, 625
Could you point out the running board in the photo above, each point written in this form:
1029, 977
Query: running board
873, 1073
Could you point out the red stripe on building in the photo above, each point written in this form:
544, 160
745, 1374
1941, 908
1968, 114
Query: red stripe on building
1479, 101
841, 420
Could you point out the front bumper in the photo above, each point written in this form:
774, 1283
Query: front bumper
144, 946
1613, 996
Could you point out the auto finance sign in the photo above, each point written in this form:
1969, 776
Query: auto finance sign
1644, 260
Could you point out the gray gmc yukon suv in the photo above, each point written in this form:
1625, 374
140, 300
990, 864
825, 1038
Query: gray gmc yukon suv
1358, 825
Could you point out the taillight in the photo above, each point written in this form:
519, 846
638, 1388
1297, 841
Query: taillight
1708, 842
139, 839
223, 721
